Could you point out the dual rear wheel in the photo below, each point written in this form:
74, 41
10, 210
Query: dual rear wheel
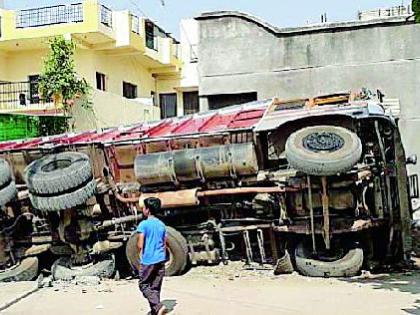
177, 253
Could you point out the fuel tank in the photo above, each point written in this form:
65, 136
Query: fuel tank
200, 164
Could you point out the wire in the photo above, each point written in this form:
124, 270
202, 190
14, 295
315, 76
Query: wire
139, 9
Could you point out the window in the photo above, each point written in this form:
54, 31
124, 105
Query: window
129, 90
167, 105
33, 89
190, 102
100, 81
223, 100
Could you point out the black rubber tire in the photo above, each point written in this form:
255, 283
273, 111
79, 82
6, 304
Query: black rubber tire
347, 266
323, 163
26, 270
64, 201
177, 247
58, 173
5, 173
62, 269
8, 193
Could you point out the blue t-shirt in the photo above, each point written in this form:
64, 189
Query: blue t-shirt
154, 232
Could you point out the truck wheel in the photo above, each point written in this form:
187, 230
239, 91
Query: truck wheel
323, 150
5, 173
177, 252
26, 270
347, 265
8, 193
58, 173
65, 200
63, 269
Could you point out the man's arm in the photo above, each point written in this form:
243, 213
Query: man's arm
140, 242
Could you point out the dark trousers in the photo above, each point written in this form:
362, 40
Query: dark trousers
150, 284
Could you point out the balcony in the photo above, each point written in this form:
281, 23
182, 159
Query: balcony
106, 16
59, 14
135, 24
21, 95
90, 20
93, 26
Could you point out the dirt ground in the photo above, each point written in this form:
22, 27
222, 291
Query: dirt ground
228, 290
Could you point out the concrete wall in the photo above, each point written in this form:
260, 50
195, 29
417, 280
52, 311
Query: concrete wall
240, 54
189, 45
112, 110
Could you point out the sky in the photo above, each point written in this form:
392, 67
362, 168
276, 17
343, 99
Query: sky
281, 13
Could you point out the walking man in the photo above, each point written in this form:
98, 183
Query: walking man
152, 248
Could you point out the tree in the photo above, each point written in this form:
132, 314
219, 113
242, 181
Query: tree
416, 9
59, 81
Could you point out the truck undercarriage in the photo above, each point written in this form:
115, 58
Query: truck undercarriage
316, 185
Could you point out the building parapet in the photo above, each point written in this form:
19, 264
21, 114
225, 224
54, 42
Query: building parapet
313, 28
400, 10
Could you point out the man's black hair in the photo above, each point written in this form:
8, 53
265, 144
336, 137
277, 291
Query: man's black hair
153, 204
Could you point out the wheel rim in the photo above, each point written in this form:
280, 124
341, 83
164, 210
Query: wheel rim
323, 141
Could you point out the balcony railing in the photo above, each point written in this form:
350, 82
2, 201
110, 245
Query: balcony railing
384, 13
18, 94
177, 50
135, 24
106, 16
72, 13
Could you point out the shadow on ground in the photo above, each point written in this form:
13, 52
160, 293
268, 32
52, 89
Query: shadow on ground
408, 282
170, 305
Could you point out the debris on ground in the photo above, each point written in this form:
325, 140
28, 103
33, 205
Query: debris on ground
283, 265
233, 270
87, 280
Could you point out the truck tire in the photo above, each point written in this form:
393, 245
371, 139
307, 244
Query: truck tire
323, 150
63, 269
5, 173
26, 270
58, 173
64, 201
347, 266
177, 248
8, 193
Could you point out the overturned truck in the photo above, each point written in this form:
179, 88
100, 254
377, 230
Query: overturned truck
318, 185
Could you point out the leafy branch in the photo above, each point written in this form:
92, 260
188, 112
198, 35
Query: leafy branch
59, 81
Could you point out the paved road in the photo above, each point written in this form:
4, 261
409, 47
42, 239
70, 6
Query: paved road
214, 291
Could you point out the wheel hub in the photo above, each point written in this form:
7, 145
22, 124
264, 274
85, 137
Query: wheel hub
323, 141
